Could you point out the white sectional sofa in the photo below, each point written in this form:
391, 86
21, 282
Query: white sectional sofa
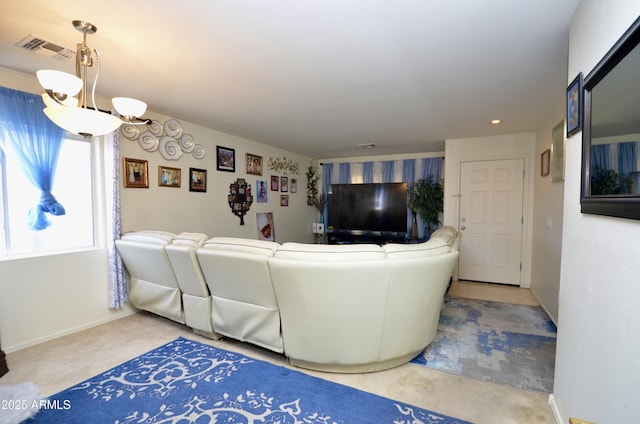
336, 308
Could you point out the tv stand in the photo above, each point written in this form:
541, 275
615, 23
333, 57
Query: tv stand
366, 238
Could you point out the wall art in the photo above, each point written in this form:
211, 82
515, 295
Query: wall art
169, 177
136, 173
198, 180
254, 164
225, 159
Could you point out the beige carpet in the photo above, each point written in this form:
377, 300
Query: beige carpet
61, 363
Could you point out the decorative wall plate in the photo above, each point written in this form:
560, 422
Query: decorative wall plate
130, 131
186, 143
148, 141
156, 128
170, 148
173, 128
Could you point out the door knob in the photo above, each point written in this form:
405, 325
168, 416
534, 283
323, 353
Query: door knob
463, 228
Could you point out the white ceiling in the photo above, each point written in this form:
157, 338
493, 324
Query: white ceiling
319, 77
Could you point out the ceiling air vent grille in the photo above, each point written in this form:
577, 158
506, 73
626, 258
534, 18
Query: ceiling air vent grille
46, 48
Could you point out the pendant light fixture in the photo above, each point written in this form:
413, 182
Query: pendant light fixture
66, 95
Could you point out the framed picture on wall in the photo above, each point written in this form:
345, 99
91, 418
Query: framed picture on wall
574, 106
169, 177
198, 180
284, 184
225, 159
254, 164
275, 181
284, 200
545, 161
294, 185
136, 173
262, 191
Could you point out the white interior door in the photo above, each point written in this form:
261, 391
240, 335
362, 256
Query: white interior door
491, 220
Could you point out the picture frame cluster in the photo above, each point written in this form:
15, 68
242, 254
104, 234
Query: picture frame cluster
136, 175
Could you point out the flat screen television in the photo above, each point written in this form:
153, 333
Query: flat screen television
367, 208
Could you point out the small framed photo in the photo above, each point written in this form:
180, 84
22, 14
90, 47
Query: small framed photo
545, 163
136, 173
275, 181
198, 180
262, 191
294, 185
575, 101
225, 159
284, 184
254, 164
284, 200
169, 177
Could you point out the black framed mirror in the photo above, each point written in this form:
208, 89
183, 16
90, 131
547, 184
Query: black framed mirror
611, 133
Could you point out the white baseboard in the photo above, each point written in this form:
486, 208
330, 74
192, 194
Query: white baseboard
554, 409
121, 314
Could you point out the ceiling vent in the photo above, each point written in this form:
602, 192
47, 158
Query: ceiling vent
46, 48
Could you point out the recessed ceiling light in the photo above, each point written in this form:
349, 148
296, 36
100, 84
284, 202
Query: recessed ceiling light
495, 121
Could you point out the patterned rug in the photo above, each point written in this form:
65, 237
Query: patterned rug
188, 382
503, 343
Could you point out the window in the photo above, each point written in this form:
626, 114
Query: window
73, 188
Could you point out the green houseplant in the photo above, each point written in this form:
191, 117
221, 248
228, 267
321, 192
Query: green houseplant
425, 197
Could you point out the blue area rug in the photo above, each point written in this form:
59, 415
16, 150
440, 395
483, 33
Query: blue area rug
491, 341
188, 382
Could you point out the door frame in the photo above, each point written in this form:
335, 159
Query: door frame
516, 146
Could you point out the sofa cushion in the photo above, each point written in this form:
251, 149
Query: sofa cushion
447, 234
233, 244
190, 239
333, 252
408, 251
149, 237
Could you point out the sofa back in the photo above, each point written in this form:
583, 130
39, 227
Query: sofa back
153, 285
244, 304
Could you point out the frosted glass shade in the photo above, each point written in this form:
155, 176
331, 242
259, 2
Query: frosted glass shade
83, 121
49, 102
59, 82
127, 106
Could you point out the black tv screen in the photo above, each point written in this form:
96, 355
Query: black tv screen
377, 208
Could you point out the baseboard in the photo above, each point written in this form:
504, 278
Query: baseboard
544, 308
127, 312
554, 410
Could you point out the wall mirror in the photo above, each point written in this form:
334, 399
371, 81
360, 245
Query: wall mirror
611, 134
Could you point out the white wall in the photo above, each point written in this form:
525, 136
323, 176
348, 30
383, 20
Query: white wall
547, 225
489, 148
598, 351
178, 209
45, 297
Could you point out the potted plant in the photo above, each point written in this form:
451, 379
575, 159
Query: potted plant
425, 197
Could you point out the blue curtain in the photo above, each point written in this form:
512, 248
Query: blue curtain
36, 143
367, 172
409, 175
599, 157
344, 170
626, 160
387, 171
432, 166
327, 173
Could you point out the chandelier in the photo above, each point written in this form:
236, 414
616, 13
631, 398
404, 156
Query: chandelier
66, 95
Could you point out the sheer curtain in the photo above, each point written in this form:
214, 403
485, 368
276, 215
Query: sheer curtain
118, 284
35, 141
